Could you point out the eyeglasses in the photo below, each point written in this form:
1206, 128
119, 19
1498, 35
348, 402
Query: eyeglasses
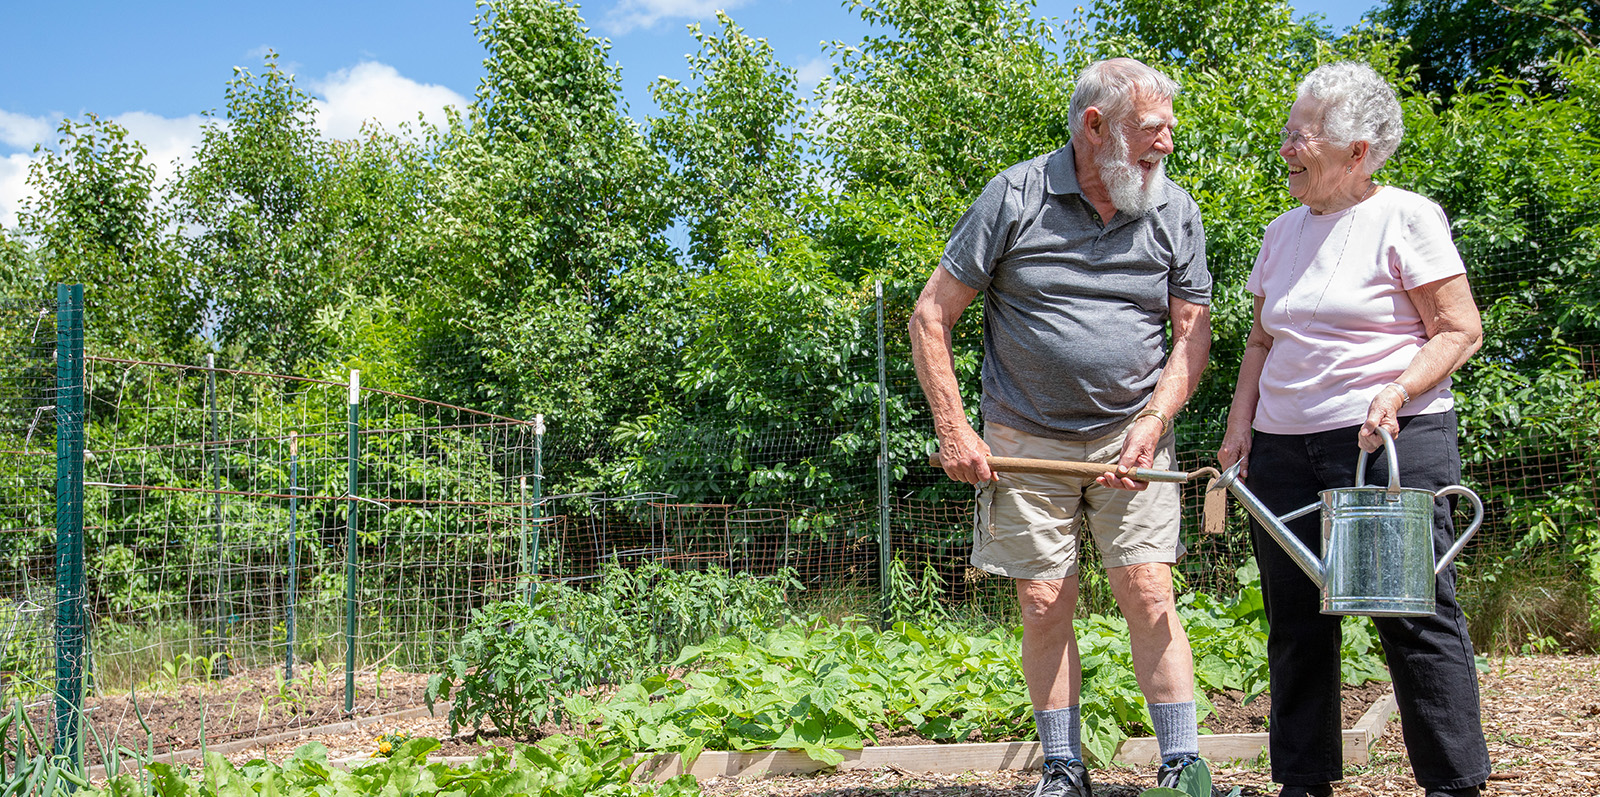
1296, 139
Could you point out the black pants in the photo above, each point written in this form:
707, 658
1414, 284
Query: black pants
1429, 658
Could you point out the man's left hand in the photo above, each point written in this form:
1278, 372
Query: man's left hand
1138, 451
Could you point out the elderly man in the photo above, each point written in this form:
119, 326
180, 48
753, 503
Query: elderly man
1082, 256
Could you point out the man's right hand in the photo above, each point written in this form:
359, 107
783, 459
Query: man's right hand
965, 456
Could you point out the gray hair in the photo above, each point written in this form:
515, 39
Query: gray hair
1111, 86
1357, 105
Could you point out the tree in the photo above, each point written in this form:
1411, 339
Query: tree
552, 279
1461, 43
282, 222
261, 232
96, 220
733, 141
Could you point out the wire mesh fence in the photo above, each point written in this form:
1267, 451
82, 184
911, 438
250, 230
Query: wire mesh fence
235, 521
233, 512
28, 407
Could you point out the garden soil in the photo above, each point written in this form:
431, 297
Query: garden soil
1541, 716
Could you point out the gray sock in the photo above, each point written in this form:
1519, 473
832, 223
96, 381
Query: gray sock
1058, 733
1175, 729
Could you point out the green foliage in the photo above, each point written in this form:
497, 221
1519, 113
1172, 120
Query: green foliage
95, 220
819, 687
547, 257
948, 95
516, 663
559, 766
1461, 45
39, 773
737, 163
279, 220
916, 599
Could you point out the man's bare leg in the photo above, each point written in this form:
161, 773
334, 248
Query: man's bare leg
1162, 660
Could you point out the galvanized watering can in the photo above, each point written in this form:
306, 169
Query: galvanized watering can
1377, 542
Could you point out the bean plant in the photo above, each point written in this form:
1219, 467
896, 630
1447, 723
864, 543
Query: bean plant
560, 766
821, 687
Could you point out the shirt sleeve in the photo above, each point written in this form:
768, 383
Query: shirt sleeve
982, 235
1426, 253
1189, 278
1256, 282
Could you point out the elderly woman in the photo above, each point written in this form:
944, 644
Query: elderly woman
1362, 312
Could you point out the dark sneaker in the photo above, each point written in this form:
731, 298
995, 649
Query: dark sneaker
1064, 778
1470, 791
1319, 790
1186, 773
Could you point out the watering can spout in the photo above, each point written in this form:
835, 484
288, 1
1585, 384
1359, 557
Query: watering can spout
1274, 525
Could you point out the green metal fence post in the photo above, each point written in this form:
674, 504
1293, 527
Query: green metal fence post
219, 639
69, 639
352, 519
538, 500
884, 550
294, 570
525, 566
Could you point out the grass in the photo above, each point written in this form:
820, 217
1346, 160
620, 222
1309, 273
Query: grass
166, 654
1526, 606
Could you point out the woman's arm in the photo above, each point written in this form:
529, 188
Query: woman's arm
1455, 332
1236, 441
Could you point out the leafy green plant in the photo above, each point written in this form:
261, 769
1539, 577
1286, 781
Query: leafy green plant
919, 600
510, 668
560, 766
183, 668
515, 663
818, 686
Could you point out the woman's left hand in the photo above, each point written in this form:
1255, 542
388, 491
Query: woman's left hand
1385, 412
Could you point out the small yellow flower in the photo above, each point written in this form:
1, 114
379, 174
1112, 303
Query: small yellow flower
388, 743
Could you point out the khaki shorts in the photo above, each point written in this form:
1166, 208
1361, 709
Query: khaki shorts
1028, 526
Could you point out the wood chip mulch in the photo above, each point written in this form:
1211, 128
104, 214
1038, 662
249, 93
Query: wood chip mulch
1541, 718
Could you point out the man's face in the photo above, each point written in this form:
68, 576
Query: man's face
1148, 131
1130, 159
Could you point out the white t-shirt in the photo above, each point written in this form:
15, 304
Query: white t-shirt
1334, 301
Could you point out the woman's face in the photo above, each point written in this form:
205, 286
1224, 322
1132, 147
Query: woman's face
1316, 166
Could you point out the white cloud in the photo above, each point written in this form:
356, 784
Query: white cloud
811, 73
13, 186
630, 14
165, 140
371, 90
368, 90
22, 132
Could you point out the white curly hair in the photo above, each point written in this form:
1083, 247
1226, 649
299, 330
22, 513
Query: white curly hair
1356, 105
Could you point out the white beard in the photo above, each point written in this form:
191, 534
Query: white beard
1130, 191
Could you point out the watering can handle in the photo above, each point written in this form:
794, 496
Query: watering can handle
1477, 520
1394, 463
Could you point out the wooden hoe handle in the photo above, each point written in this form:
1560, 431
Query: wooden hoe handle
1082, 470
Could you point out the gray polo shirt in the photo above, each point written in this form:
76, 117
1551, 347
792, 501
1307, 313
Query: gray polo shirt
1074, 313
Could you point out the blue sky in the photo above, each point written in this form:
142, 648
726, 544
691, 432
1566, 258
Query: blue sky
156, 65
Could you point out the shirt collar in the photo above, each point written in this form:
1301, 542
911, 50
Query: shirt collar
1061, 172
